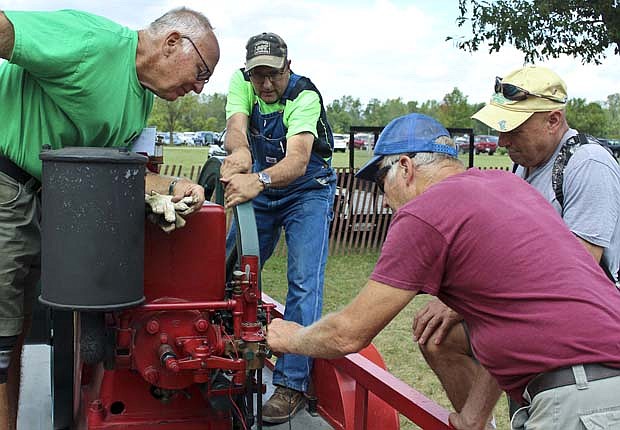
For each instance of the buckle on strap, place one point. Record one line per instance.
(564, 376)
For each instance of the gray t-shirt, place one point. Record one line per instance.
(591, 196)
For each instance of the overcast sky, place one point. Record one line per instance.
(367, 49)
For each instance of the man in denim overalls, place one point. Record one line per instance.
(280, 147)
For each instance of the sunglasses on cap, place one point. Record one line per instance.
(515, 93)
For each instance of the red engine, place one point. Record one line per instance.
(191, 356)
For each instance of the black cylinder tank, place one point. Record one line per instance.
(92, 228)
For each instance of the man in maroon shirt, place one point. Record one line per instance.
(542, 318)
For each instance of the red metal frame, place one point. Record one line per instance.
(371, 381)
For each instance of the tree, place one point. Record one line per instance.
(214, 111)
(454, 111)
(166, 115)
(543, 28)
(613, 115)
(588, 118)
(343, 113)
(378, 113)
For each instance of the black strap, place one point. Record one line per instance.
(557, 175)
(14, 171)
(566, 152)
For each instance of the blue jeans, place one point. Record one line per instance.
(305, 217)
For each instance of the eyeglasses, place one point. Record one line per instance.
(273, 76)
(381, 174)
(515, 93)
(202, 75)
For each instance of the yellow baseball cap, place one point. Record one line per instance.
(520, 94)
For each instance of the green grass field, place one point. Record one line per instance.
(196, 155)
(347, 274)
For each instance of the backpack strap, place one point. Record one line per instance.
(566, 152)
(557, 175)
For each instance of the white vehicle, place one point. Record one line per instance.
(188, 137)
(341, 141)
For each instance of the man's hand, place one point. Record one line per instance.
(434, 320)
(459, 422)
(185, 190)
(279, 334)
(240, 161)
(240, 188)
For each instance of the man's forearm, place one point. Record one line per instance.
(326, 338)
(236, 140)
(286, 171)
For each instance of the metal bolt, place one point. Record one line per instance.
(151, 375)
(201, 325)
(152, 327)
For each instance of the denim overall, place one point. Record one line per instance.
(304, 210)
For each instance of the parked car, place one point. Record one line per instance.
(341, 141)
(187, 137)
(363, 141)
(485, 143)
(203, 138)
(176, 140)
(612, 144)
(462, 143)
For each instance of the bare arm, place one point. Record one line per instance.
(236, 143)
(293, 165)
(345, 331)
(480, 403)
(7, 37)
(595, 250)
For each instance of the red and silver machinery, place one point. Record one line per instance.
(190, 357)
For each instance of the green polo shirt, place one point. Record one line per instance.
(71, 81)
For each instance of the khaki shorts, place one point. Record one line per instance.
(20, 252)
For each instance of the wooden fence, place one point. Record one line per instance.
(360, 222)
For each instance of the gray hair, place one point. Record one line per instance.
(186, 21)
(423, 158)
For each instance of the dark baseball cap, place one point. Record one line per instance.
(265, 49)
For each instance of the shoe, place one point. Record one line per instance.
(283, 404)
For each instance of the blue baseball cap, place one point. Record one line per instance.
(410, 133)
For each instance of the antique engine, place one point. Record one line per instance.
(182, 350)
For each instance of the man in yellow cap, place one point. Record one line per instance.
(579, 177)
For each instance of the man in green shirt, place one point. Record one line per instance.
(284, 167)
(77, 79)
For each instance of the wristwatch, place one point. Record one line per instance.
(264, 179)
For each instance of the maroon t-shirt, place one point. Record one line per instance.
(494, 250)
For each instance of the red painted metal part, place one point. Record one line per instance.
(166, 350)
(356, 392)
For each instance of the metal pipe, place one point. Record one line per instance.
(186, 306)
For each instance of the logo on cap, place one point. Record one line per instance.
(262, 47)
